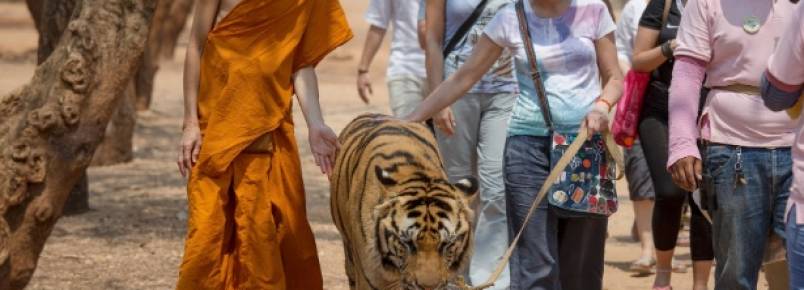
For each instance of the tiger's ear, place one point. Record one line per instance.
(467, 185)
(384, 177)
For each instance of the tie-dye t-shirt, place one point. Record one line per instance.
(567, 61)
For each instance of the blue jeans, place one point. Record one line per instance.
(748, 190)
(554, 238)
(795, 251)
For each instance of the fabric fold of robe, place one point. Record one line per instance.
(247, 226)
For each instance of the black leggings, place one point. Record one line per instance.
(670, 198)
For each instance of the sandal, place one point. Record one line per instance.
(679, 267)
(643, 266)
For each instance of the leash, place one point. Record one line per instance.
(615, 153)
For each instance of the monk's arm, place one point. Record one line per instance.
(191, 137)
(323, 141)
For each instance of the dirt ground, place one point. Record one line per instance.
(133, 237)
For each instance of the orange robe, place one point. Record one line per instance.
(248, 227)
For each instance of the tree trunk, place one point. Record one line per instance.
(117, 145)
(168, 22)
(172, 27)
(35, 7)
(51, 127)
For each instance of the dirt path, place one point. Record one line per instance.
(132, 239)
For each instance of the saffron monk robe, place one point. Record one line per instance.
(246, 58)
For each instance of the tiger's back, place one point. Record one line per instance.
(394, 207)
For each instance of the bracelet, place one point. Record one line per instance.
(667, 50)
(362, 71)
(608, 105)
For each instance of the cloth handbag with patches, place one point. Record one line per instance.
(587, 182)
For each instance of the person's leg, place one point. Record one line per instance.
(459, 151)
(700, 247)
(774, 265)
(404, 94)
(795, 250)
(741, 212)
(670, 198)
(210, 228)
(641, 193)
(491, 235)
(582, 243)
(534, 263)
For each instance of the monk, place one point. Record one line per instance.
(245, 60)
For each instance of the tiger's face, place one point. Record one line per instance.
(423, 228)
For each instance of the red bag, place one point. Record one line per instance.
(626, 119)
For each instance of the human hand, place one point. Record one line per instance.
(445, 121)
(597, 120)
(324, 146)
(673, 44)
(364, 86)
(189, 148)
(687, 173)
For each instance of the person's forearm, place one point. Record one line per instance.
(649, 60)
(421, 33)
(612, 90)
(191, 83)
(777, 95)
(685, 93)
(443, 96)
(372, 45)
(305, 85)
(434, 62)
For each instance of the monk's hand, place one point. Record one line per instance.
(445, 121)
(189, 148)
(686, 173)
(364, 86)
(324, 145)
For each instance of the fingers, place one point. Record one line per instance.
(689, 176)
(196, 151)
(180, 163)
(698, 167)
(363, 95)
(187, 150)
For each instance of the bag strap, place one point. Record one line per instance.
(666, 11)
(535, 76)
(464, 28)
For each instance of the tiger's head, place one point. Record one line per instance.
(424, 228)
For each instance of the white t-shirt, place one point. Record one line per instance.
(627, 29)
(567, 61)
(407, 58)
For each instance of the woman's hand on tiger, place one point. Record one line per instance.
(189, 148)
(445, 121)
(324, 146)
(597, 120)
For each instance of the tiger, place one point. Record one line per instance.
(403, 224)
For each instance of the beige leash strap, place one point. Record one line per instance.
(555, 173)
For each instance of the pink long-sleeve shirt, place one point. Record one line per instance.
(711, 40)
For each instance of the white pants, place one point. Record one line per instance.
(404, 94)
(476, 149)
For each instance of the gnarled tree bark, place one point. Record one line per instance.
(49, 129)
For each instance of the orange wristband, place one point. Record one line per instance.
(608, 105)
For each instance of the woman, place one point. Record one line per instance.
(782, 89)
(574, 41)
(653, 42)
(471, 134)
(746, 166)
(640, 187)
